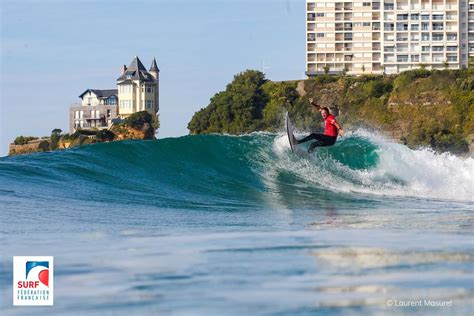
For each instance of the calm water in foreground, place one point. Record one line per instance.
(221, 225)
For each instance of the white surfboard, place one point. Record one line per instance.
(289, 131)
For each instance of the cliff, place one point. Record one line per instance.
(138, 126)
(418, 108)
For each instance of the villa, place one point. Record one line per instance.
(137, 90)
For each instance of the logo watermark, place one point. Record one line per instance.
(33, 281)
(419, 303)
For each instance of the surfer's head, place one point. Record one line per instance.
(324, 112)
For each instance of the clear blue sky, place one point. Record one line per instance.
(51, 51)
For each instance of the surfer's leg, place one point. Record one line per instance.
(309, 137)
(322, 141)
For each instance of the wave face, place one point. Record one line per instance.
(255, 170)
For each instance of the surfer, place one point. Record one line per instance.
(331, 129)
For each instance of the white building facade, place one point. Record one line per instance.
(387, 36)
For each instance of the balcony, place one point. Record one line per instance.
(311, 17)
(402, 17)
(450, 37)
(89, 117)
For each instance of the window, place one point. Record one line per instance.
(437, 37)
(320, 15)
(317, 35)
(402, 58)
(76, 114)
(109, 113)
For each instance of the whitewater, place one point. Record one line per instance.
(232, 225)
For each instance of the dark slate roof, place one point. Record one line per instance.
(154, 67)
(101, 94)
(136, 71)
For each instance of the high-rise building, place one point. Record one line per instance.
(387, 36)
(471, 27)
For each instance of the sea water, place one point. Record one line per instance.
(238, 225)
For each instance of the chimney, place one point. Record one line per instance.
(124, 68)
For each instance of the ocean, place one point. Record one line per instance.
(238, 225)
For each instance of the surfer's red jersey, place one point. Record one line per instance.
(330, 128)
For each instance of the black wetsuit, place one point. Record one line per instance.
(321, 140)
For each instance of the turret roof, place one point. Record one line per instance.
(154, 67)
(136, 71)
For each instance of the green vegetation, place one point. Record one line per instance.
(104, 135)
(44, 146)
(420, 107)
(54, 139)
(143, 121)
(22, 140)
(140, 125)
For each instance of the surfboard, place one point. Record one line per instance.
(289, 131)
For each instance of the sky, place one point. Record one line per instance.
(52, 51)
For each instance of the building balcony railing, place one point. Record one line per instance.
(93, 118)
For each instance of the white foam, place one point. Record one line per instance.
(400, 171)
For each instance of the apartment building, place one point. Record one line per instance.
(470, 13)
(387, 36)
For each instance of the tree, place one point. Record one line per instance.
(326, 69)
(44, 146)
(136, 120)
(236, 110)
(105, 135)
(345, 70)
(55, 136)
(363, 68)
(446, 64)
(22, 140)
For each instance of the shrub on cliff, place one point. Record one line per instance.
(44, 146)
(105, 135)
(236, 110)
(22, 140)
(138, 119)
(54, 138)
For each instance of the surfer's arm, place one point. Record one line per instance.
(340, 131)
(311, 101)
